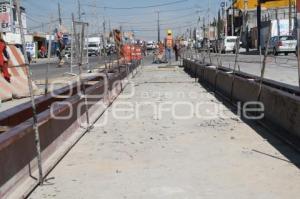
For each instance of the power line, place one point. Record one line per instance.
(166, 20)
(170, 27)
(41, 25)
(150, 13)
(138, 7)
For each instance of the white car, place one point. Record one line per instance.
(228, 44)
(283, 44)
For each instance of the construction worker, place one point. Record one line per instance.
(176, 49)
(4, 57)
(169, 42)
(60, 47)
(159, 53)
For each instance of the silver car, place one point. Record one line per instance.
(282, 44)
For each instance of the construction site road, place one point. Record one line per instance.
(168, 137)
(280, 68)
(39, 70)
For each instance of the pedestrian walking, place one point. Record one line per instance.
(169, 46)
(4, 58)
(43, 51)
(144, 48)
(176, 49)
(29, 57)
(159, 54)
(60, 47)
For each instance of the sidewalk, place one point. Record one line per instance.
(171, 158)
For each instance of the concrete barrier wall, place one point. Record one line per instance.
(189, 66)
(209, 76)
(282, 109)
(245, 90)
(224, 83)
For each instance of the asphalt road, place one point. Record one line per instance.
(280, 68)
(55, 72)
(39, 70)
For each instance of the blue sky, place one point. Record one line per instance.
(143, 21)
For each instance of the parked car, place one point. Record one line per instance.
(282, 44)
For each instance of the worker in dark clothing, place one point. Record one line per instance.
(176, 49)
(60, 47)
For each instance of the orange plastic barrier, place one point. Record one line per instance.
(126, 52)
(18, 87)
(133, 55)
(131, 52)
(138, 53)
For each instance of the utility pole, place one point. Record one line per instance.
(59, 14)
(208, 21)
(158, 26)
(277, 22)
(79, 10)
(204, 28)
(219, 24)
(232, 19)
(73, 44)
(48, 56)
(226, 21)
(258, 10)
(246, 23)
(290, 17)
(298, 37)
(109, 25)
(104, 32)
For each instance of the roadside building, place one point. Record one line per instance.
(279, 10)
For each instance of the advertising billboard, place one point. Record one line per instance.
(5, 16)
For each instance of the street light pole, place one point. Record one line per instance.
(246, 23)
(258, 10)
(158, 26)
(79, 10)
(226, 21)
(59, 14)
(232, 19)
(290, 17)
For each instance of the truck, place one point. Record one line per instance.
(94, 46)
